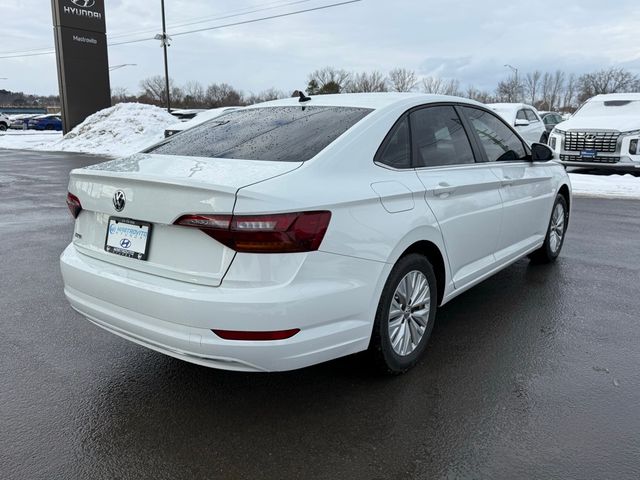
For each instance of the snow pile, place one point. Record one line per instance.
(605, 186)
(121, 130)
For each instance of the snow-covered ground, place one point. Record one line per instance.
(128, 128)
(605, 186)
(121, 130)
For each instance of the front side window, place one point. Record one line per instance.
(531, 116)
(396, 149)
(283, 134)
(521, 115)
(500, 143)
(439, 138)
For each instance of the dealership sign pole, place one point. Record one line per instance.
(81, 53)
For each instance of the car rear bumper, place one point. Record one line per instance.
(334, 315)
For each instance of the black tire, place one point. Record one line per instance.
(49, 127)
(381, 349)
(3, 127)
(551, 247)
(544, 138)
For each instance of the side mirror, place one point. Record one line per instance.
(522, 123)
(541, 152)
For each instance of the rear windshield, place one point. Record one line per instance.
(282, 134)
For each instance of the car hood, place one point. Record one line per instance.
(621, 123)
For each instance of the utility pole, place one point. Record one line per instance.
(165, 39)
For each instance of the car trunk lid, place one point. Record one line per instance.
(158, 190)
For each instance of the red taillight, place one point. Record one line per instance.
(278, 233)
(73, 202)
(255, 336)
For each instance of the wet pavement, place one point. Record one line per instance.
(535, 373)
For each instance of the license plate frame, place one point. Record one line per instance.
(128, 238)
(589, 154)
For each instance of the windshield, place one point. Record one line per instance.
(283, 134)
(609, 108)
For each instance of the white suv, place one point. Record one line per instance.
(524, 118)
(4, 122)
(603, 133)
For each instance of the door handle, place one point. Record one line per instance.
(507, 181)
(444, 191)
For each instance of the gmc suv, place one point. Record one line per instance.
(603, 133)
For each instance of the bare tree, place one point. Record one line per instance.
(265, 96)
(439, 86)
(481, 96)
(154, 89)
(612, 80)
(367, 82)
(120, 95)
(402, 80)
(569, 93)
(557, 86)
(531, 83)
(194, 94)
(327, 80)
(508, 90)
(222, 95)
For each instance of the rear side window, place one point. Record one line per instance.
(439, 138)
(500, 143)
(396, 149)
(283, 134)
(521, 115)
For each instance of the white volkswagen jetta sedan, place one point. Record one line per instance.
(293, 232)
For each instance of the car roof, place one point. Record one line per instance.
(509, 106)
(615, 96)
(372, 101)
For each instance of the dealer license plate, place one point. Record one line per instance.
(129, 238)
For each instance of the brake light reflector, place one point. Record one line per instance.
(73, 202)
(277, 233)
(255, 336)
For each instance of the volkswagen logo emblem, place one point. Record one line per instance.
(84, 3)
(119, 200)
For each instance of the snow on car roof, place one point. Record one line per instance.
(616, 97)
(364, 100)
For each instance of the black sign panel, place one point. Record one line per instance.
(83, 65)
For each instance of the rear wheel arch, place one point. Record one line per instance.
(431, 251)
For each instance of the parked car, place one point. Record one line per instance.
(298, 231)
(4, 122)
(187, 113)
(550, 120)
(603, 133)
(21, 121)
(196, 120)
(524, 118)
(45, 122)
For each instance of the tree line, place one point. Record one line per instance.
(545, 90)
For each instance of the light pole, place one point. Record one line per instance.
(515, 70)
(164, 42)
(118, 67)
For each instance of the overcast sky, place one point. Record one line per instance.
(469, 40)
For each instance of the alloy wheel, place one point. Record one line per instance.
(409, 312)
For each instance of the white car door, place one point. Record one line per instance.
(526, 187)
(463, 195)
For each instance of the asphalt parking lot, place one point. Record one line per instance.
(532, 374)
